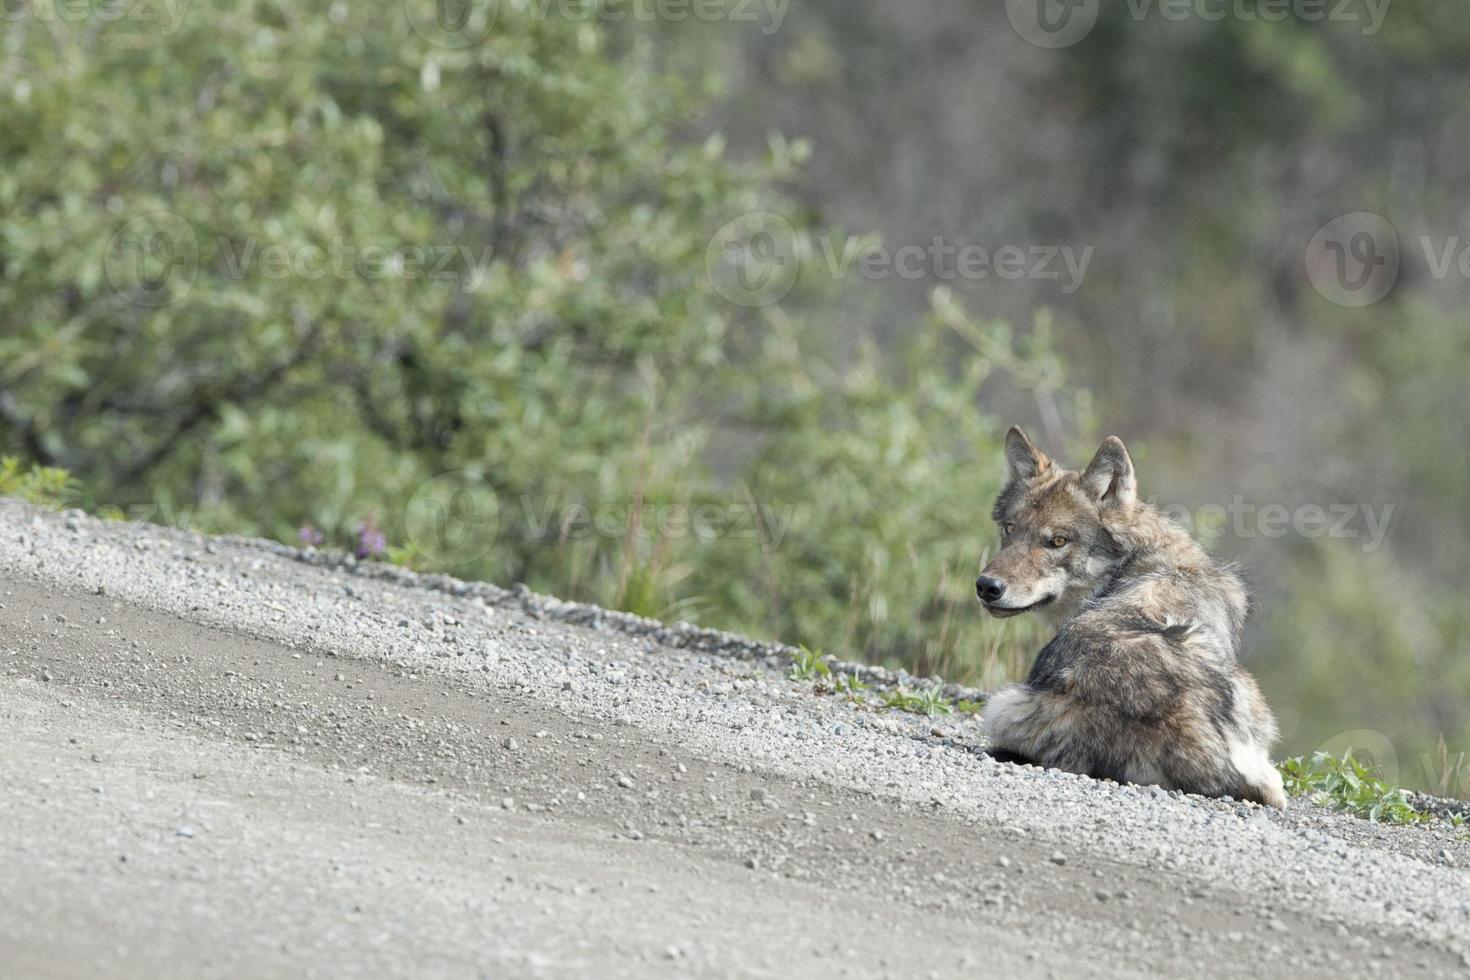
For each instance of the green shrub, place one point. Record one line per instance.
(1347, 785)
(197, 330)
(44, 485)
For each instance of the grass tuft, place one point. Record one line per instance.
(807, 665)
(1347, 785)
(928, 701)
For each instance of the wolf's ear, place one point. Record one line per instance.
(1023, 460)
(1109, 477)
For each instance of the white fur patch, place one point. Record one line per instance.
(1254, 765)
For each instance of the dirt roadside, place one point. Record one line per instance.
(183, 800)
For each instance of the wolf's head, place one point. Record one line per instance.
(1058, 528)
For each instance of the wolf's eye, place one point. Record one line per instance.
(1008, 528)
(1058, 541)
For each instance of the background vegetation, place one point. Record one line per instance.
(274, 268)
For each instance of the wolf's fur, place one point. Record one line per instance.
(1140, 682)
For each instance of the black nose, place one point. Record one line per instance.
(989, 589)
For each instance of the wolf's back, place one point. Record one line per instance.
(1120, 695)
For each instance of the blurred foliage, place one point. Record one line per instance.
(1358, 630)
(219, 319)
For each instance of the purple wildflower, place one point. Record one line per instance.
(311, 537)
(370, 540)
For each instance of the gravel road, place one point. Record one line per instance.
(232, 758)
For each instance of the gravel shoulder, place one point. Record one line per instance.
(222, 760)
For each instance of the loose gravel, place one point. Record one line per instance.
(695, 739)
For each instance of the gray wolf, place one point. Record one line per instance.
(1140, 684)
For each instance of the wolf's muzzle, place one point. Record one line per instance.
(989, 589)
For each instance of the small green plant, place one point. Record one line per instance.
(42, 485)
(405, 556)
(1349, 786)
(901, 699)
(853, 687)
(807, 665)
(967, 707)
(929, 701)
(932, 702)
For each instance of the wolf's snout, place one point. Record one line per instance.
(989, 589)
